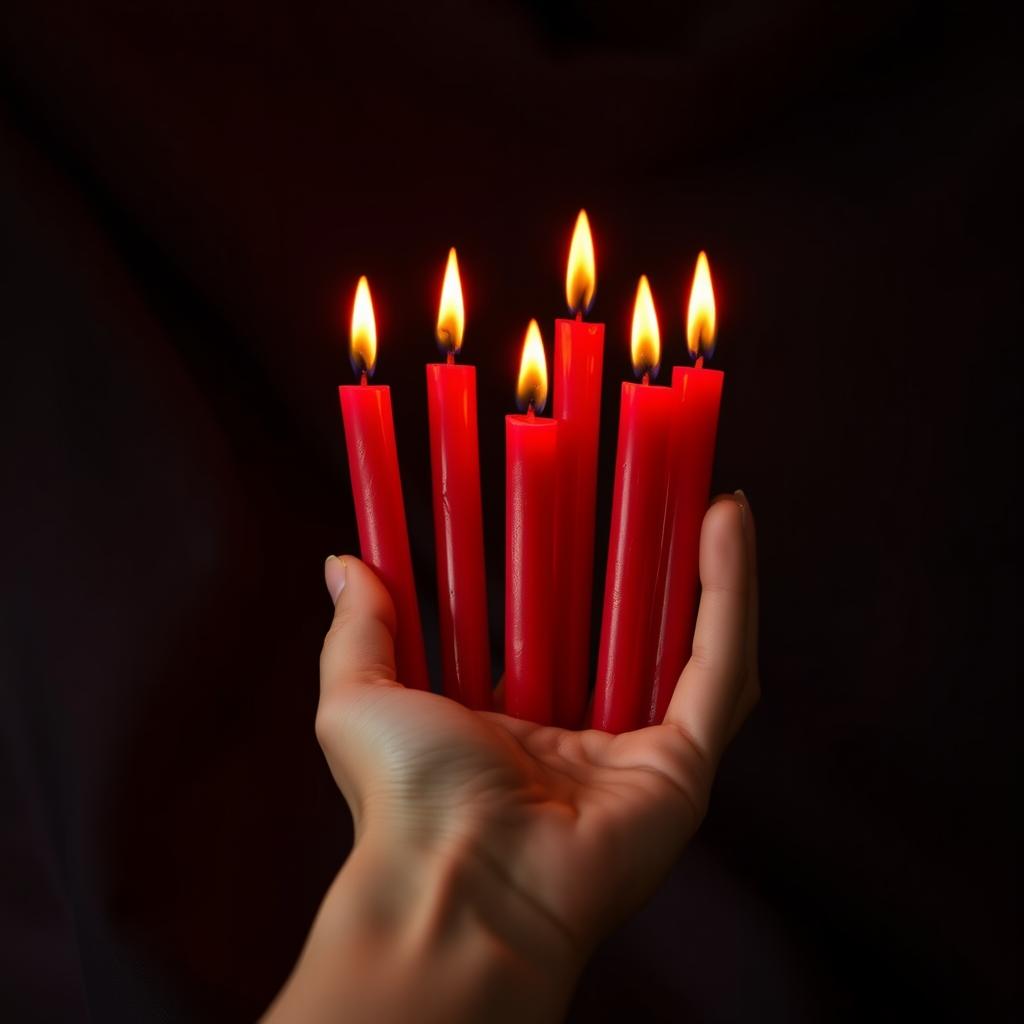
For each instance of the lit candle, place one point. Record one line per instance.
(638, 510)
(531, 469)
(458, 520)
(697, 393)
(579, 349)
(377, 490)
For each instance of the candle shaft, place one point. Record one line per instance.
(579, 351)
(638, 510)
(380, 517)
(697, 394)
(459, 535)
(531, 470)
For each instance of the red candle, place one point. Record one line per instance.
(579, 349)
(638, 511)
(377, 490)
(531, 468)
(458, 519)
(697, 393)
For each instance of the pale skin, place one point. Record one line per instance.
(492, 854)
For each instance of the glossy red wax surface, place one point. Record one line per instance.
(380, 516)
(697, 394)
(459, 533)
(638, 512)
(579, 351)
(531, 597)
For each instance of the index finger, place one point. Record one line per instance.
(706, 694)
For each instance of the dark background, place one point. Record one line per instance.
(189, 193)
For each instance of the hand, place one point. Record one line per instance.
(543, 837)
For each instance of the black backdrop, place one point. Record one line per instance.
(189, 193)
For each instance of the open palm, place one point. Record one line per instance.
(582, 825)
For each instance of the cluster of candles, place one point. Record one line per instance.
(665, 452)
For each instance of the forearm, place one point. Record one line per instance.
(408, 934)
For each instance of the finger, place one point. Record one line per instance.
(360, 645)
(751, 692)
(706, 694)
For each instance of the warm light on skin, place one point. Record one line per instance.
(581, 271)
(363, 346)
(700, 314)
(645, 340)
(532, 389)
(451, 314)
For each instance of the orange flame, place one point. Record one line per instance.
(700, 314)
(532, 389)
(645, 342)
(451, 314)
(363, 345)
(581, 271)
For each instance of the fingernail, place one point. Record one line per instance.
(334, 576)
(743, 502)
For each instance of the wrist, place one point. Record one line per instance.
(481, 946)
(429, 928)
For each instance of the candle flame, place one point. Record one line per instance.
(363, 346)
(645, 342)
(581, 271)
(700, 315)
(532, 389)
(451, 314)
